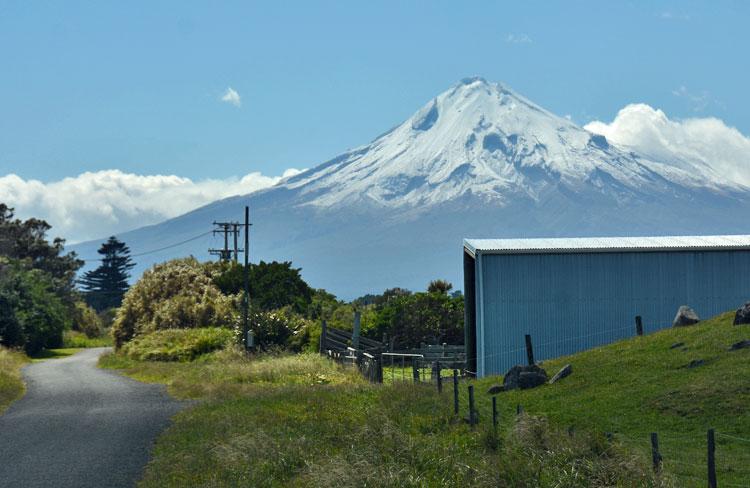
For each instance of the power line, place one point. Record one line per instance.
(170, 246)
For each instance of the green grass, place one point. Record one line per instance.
(59, 353)
(178, 344)
(640, 385)
(11, 384)
(75, 339)
(305, 421)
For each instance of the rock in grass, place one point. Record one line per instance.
(676, 345)
(531, 379)
(495, 389)
(740, 345)
(743, 315)
(685, 316)
(564, 372)
(534, 376)
(695, 363)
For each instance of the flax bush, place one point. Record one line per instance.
(178, 294)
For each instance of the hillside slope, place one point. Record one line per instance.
(477, 161)
(643, 385)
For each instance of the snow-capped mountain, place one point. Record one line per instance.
(477, 161)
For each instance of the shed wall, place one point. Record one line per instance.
(570, 302)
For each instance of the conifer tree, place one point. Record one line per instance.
(105, 286)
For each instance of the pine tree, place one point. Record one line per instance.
(105, 286)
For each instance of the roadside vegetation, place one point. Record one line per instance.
(302, 420)
(299, 420)
(39, 304)
(11, 385)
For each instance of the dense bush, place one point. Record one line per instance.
(178, 344)
(32, 314)
(86, 320)
(432, 318)
(178, 294)
(279, 329)
(273, 285)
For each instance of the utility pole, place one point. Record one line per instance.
(226, 228)
(246, 272)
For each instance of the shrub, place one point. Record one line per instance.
(178, 294)
(178, 344)
(75, 339)
(86, 320)
(32, 315)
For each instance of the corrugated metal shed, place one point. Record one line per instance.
(574, 294)
(606, 244)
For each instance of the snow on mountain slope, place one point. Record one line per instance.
(476, 161)
(480, 138)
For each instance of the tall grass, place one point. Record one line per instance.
(11, 384)
(302, 420)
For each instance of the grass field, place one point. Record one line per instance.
(11, 385)
(641, 385)
(304, 421)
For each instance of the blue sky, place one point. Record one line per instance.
(136, 86)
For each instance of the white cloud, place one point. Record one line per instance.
(518, 39)
(231, 96)
(92, 205)
(704, 145)
(698, 101)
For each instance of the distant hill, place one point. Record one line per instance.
(477, 161)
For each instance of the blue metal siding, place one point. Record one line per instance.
(571, 302)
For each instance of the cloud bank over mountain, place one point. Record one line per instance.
(690, 141)
(108, 202)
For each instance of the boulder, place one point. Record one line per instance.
(740, 345)
(524, 377)
(743, 315)
(495, 389)
(530, 379)
(565, 371)
(695, 363)
(685, 316)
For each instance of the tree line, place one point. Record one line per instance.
(41, 297)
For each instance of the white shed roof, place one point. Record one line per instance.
(606, 244)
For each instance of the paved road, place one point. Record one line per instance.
(80, 426)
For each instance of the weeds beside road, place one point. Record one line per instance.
(305, 421)
(11, 384)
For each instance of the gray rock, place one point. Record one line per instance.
(743, 315)
(564, 372)
(530, 379)
(740, 345)
(685, 316)
(512, 378)
(695, 363)
(495, 389)
(676, 345)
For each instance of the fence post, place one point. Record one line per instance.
(323, 336)
(529, 350)
(494, 411)
(655, 454)
(379, 369)
(519, 409)
(471, 405)
(711, 459)
(638, 325)
(414, 370)
(455, 391)
(356, 329)
(439, 377)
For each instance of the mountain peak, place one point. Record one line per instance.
(477, 138)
